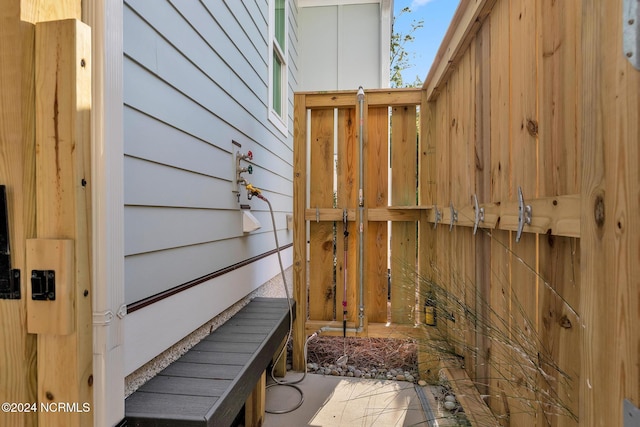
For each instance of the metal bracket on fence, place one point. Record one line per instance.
(479, 214)
(524, 214)
(631, 32)
(317, 214)
(438, 217)
(454, 215)
(631, 414)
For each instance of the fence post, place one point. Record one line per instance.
(63, 200)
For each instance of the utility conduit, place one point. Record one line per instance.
(361, 208)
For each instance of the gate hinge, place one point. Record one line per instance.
(9, 277)
(631, 31)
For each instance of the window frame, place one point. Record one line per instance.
(280, 120)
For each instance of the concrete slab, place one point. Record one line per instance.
(340, 401)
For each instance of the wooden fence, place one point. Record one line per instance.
(531, 109)
(332, 190)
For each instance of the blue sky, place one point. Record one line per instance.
(436, 15)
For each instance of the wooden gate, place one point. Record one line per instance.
(327, 190)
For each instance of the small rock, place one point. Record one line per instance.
(409, 378)
(400, 377)
(422, 383)
(350, 374)
(357, 373)
(335, 373)
(393, 372)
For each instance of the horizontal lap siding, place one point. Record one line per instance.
(195, 79)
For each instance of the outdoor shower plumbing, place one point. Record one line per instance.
(240, 170)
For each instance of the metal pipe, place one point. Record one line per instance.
(361, 208)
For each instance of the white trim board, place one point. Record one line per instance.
(106, 183)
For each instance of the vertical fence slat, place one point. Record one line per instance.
(483, 190)
(500, 285)
(524, 139)
(403, 193)
(464, 199)
(457, 163)
(376, 195)
(596, 393)
(347, 198)
(321, 280)
(428, 360)
(443, 242)
(559, 256)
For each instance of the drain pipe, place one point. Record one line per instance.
(361, 210)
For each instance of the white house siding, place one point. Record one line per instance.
(350, 40)
(195, 79)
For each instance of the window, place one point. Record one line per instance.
(278, 64)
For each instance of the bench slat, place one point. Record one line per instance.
(202, 370)
(190, 386)
(232, 336)
(239, 346)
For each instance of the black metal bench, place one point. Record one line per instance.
(210, 383)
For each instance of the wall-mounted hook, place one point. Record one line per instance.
(454, 215)
(438, 217)
(524, 214)
(478, 216)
